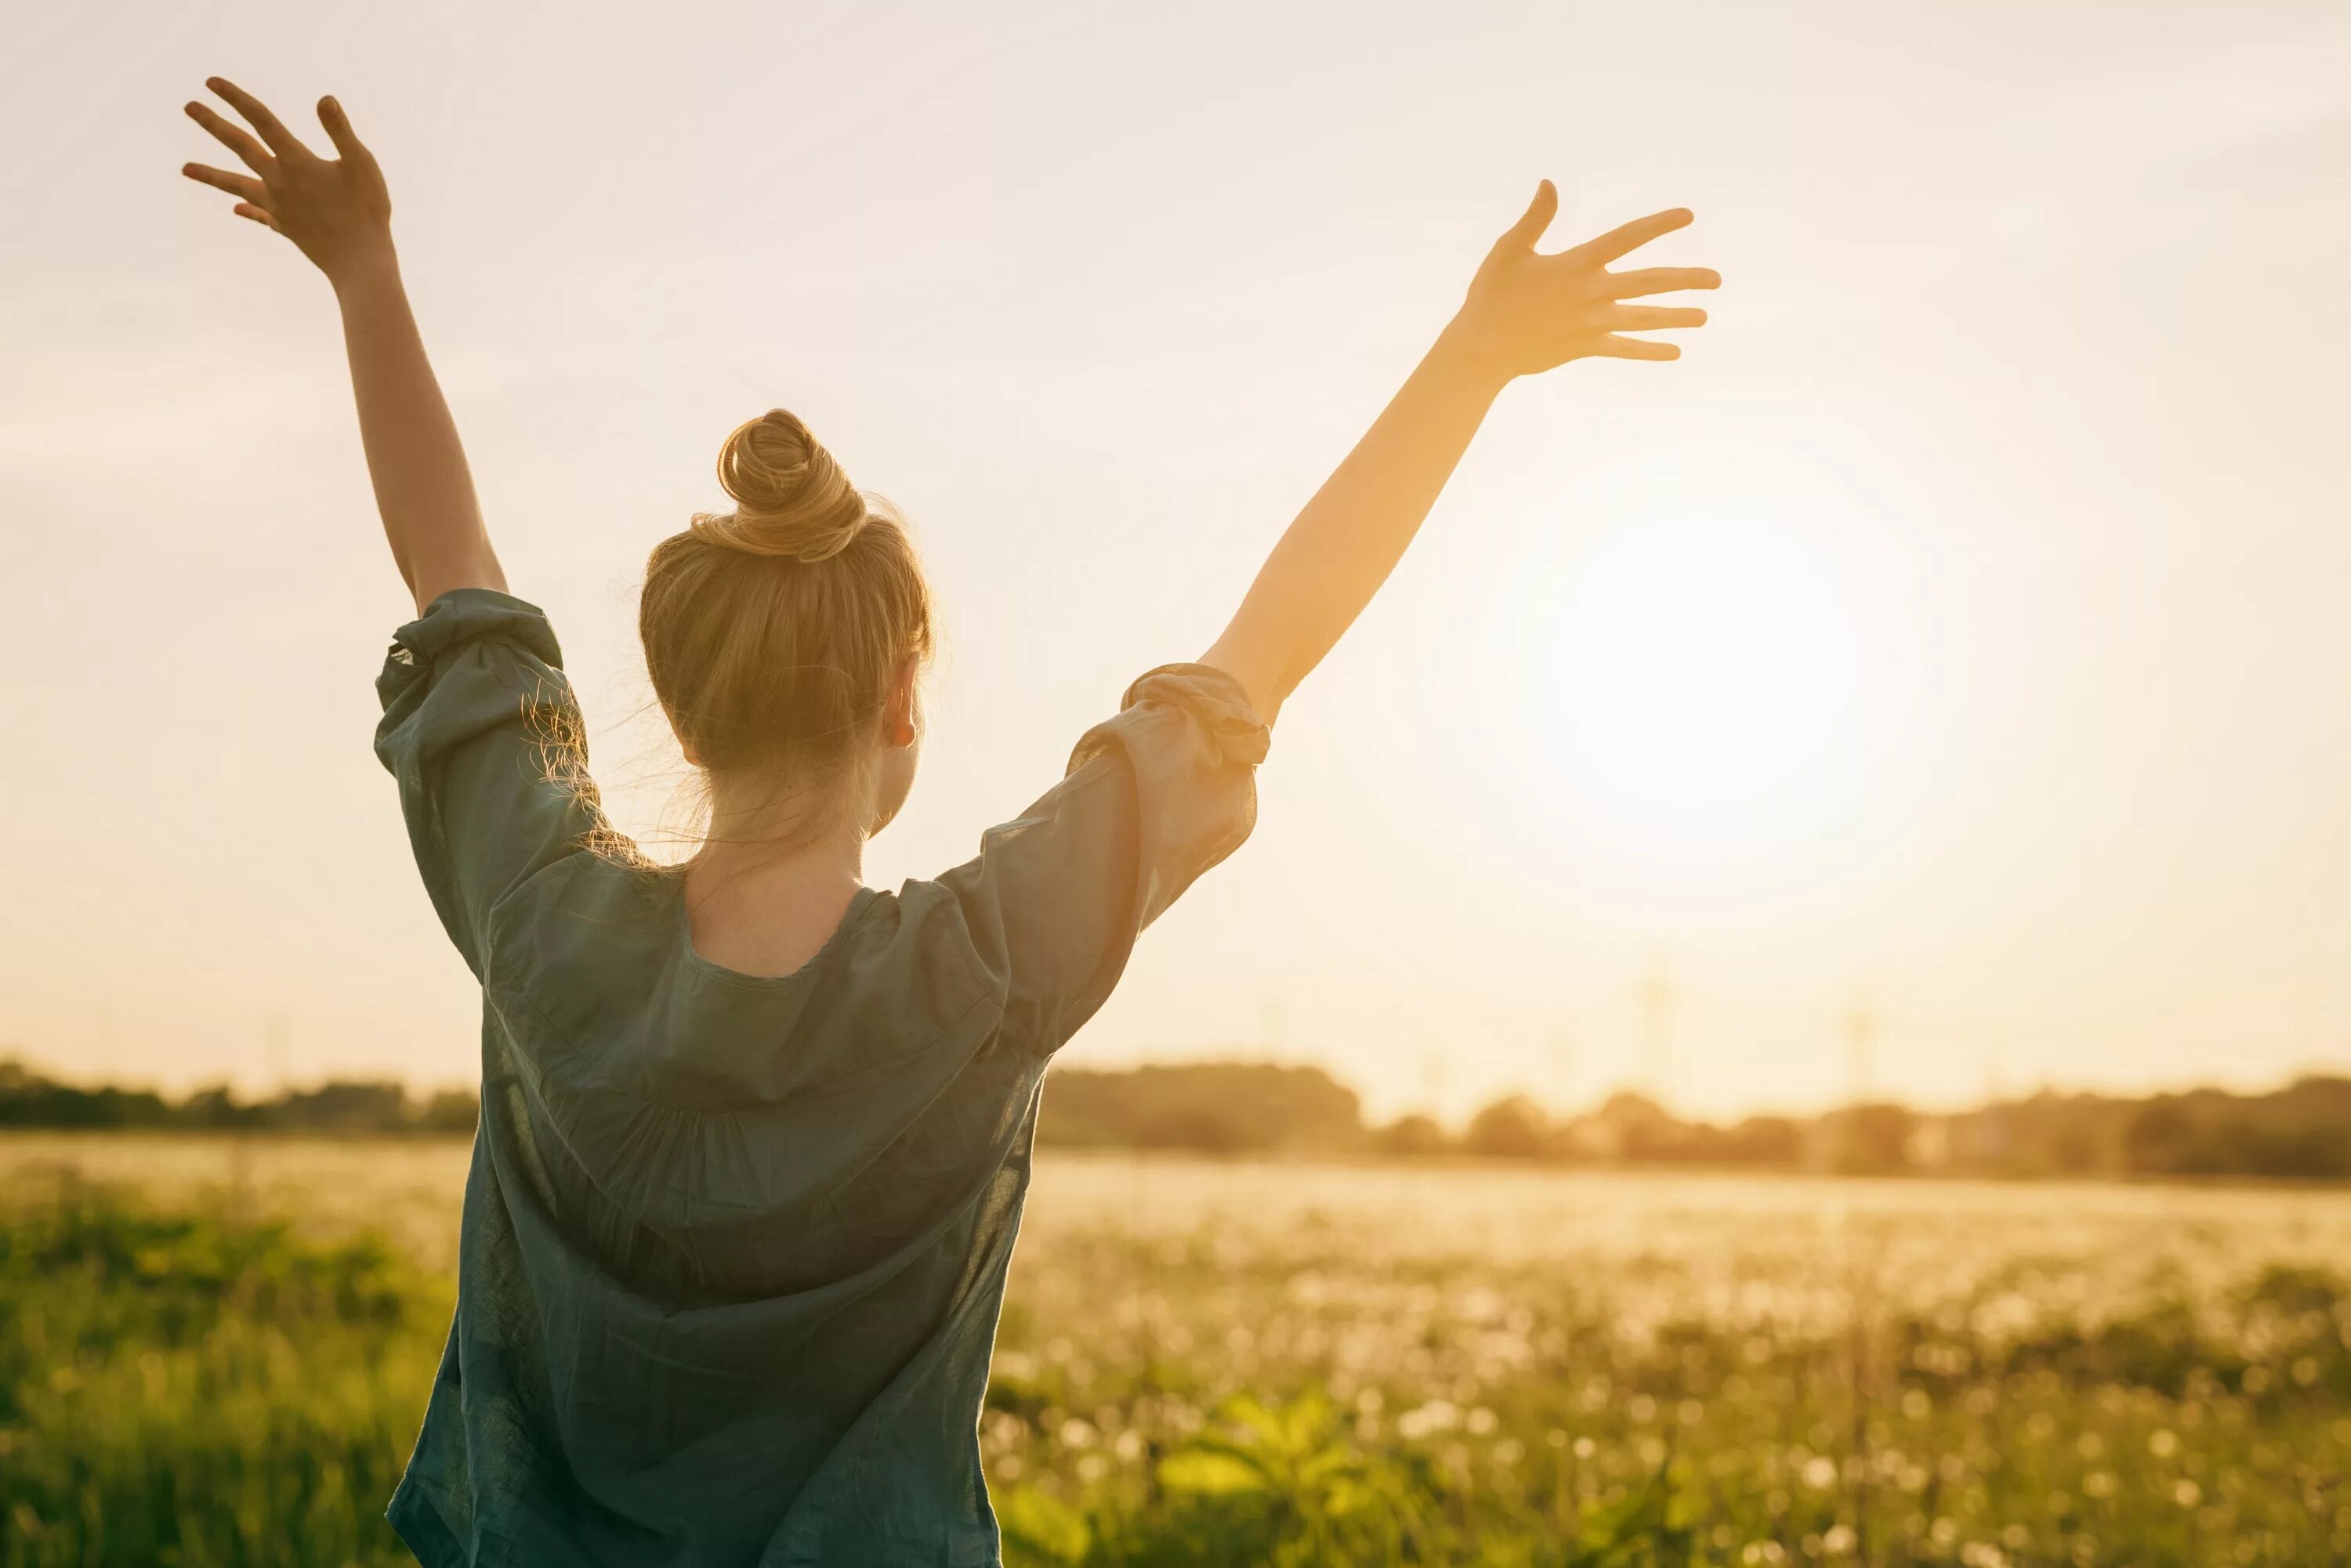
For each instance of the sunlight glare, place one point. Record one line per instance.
(1709, 662)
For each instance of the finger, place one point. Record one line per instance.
(1616, 348)
(340, 132)
(258, 215)
(234, 137)
(1661, 280)
(1649, 317)
(244, 185)
(282, 142)
(1632, 235)
(1529, 227)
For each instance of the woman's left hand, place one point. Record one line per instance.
(1527, 313)
(336, 210)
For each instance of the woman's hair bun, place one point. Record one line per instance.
(790, 498)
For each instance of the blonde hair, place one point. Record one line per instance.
(772, 632)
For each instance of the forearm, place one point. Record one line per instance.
(423, 487)
(1348, 537)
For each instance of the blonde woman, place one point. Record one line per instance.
(755, 1135)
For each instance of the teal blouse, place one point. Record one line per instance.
(734, 1247)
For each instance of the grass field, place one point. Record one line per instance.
(1236, 1363)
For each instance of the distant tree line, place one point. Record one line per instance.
(2302, 1132)
(1221, 1107)
(27, 1099)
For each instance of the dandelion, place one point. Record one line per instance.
(1436, 1415)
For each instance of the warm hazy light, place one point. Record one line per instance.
(1706, 661)
(1960, 620)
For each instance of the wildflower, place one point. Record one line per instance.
(1436, 1415)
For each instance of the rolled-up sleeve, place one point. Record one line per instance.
(1153, 798)
(481, 733)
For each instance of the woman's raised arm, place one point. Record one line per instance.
(338, 213)
(1525, 313)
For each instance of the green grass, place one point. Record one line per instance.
(1414, 1414)
(182, 1388)
(181, 1384)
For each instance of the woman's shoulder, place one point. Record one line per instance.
(921, 934)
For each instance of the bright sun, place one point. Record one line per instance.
(1706, 662)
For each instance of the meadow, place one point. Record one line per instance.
(215, 1351)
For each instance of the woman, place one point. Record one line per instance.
(755, 1136)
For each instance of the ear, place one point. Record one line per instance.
(899, 720)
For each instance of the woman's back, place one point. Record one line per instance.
(733, 1246)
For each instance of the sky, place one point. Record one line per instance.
(1954, 637)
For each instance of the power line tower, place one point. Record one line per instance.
(1861, 1046)
(1657, 997)
(1434, 1072)
(1562, 1065)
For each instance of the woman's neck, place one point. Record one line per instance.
(773, 876)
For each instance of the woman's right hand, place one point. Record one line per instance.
(336, 210)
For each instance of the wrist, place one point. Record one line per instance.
(373, 274)
(1467, 355)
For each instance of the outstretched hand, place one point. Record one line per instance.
(336, 210)
(1527, 313)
